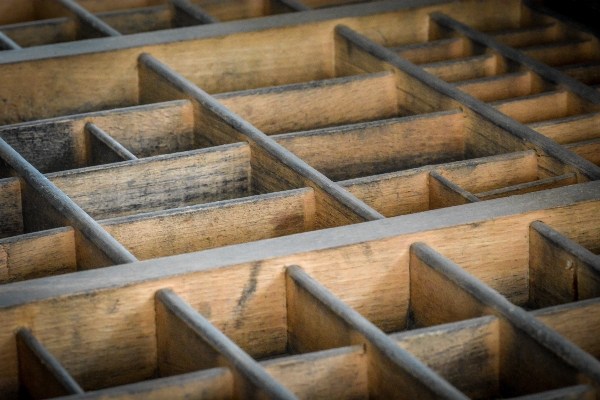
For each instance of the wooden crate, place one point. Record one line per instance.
(396, 199)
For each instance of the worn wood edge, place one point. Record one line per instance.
(529, 97)
(571, 392)
(401, 358)
(211, 30)
(525, 185)
(197, 207)
(432, 43)
(557, 121)
(110, 142)
(46, 359)
(565, 243)
(490, 79)
(558, 309)
(260, 139)
(139, 388)
(66, 207)
(19, 293)
(457, 61)
(516, 316)
(243, 363)
(324, 83)
(555, 76)
(295, 5)
(511, 126)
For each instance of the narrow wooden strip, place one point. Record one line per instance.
(188, 14)
(210, 384)
(377, 147)
(583, 392)
(434, 51)
(39, 254)
(104, 149)
(528, 187)
(556, 54)
(38, 33)
(395, 372)
(222, 223)
(464, 69)
(528, 36)
(590, 150)
(538, 67)
(444, 193)
(570, 129)
(588, 73)
(66, 207)
(295, 5)
(577, 321)
(138, 20)
(465, 353)
(317, 104)
(500, 87)
(11, 209)
(485, 119)
(560, 270)
(228, 121)
(92, 25)
(7, 43)
(176, 319)
(160, 182)
(442, 292)
(535, 108)
(41, 374)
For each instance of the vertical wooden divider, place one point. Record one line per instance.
(318, 320)
(445, 193)
(41, 375)
(187, 342)
(560, 270)
(273, 167)
(533, 358)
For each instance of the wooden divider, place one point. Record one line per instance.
(41, 374)
(458, 295)
(464, 69)
(317, 104)
(560, 270)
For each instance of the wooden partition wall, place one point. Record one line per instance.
(395, 199)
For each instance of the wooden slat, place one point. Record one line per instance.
(187, 14)
(40, 373)
(316, 104)
(541, 184)
(529, 36)
(60, 143)
(464, 69)
(293, 5)
(434, 51)
(588, 73)
(202, 227)
(158, 183)
(444, 193)
(11, 211)
(318, 320)
(501, 87)
(571, 129)
(104, 149)
(556, 54)
(533, 358)
(221, 125)
(140, 20)
(38, 254)
(590, 150)
(37, 33)
(188, 341)
(560, 270)
(378, 147)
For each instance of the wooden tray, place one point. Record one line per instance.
(393, 199)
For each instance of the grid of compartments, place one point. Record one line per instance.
(147, 151)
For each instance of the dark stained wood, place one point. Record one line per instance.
(104, 149)
(188, 14)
